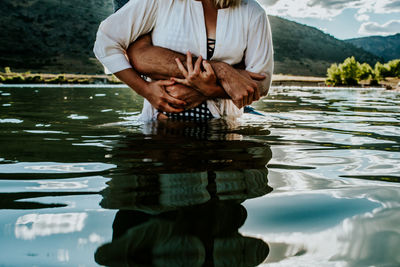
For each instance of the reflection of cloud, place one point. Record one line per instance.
(388, 28)
(30, 226)
(45, 185)
(93, 238)
(326, 9)
(54, 167)
(370, 238)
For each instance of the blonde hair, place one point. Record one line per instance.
(226, 3)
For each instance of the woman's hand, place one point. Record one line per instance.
(158, 97)
(204, 81)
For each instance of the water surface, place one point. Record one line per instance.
(313, 182)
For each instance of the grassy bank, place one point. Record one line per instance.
(9, 77)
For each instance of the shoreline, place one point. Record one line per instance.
(102, 79)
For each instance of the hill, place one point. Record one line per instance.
(387, 47)
(58, 35)
(51, 35)
(304, 50)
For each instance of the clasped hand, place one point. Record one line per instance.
(203, 80)
(199, 84)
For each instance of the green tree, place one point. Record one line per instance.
(366, 72)
(381, 71)
(393, 67)
(333, 74)
(349, 71)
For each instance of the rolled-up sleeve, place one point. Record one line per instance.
(115, 33)
(259, 55)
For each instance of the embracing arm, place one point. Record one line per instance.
(113, 38)
(159, 63)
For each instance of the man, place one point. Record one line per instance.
(159, 63)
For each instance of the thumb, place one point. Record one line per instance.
(256, 76)
(165, 82)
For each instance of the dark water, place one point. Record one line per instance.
(314, 182)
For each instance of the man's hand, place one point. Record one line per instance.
(192, 97)
(158, 97)
(240, 85)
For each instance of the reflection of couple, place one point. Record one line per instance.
(185, 214)
(225, 32)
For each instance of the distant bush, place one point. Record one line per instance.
(351, 72)
(381, 70)
(34, 79)
(57, 79)
(346, 73)
(394, 68)
(334, 75)
(14, 79)
(7, 70)
(366, 72)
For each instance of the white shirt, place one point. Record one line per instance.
(179, 25)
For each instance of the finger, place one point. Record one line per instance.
(256, 94)
(238, 103)
(168, 108)
(181, 67)
(207, 66)
(165, 82)
(198, 64)
(181, 81)
(250, 98)
(175, 101)
(189, 62)
(256, 76)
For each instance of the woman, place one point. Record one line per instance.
(240, 30)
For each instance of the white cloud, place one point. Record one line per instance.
(362, 17)
(373, 28)
(327, 9)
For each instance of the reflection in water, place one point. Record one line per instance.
(179, 198)
(30, 226)
(59, 147)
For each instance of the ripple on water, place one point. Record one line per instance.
(54, 167)
(11, 121)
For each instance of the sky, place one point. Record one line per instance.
(344, 19)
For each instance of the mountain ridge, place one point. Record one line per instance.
(57, 36)
(387, 47)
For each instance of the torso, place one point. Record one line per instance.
(184, 26)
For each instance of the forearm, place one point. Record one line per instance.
(154, 61)
(159, 63)
(131, 78)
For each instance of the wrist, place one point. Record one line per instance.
(143, 89)
(221, 69)
(214, 92)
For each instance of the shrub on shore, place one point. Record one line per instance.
(351, 72)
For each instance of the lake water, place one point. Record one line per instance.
(313, 182)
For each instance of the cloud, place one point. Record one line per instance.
(362, 17)
(327, 9)
(373, 28)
